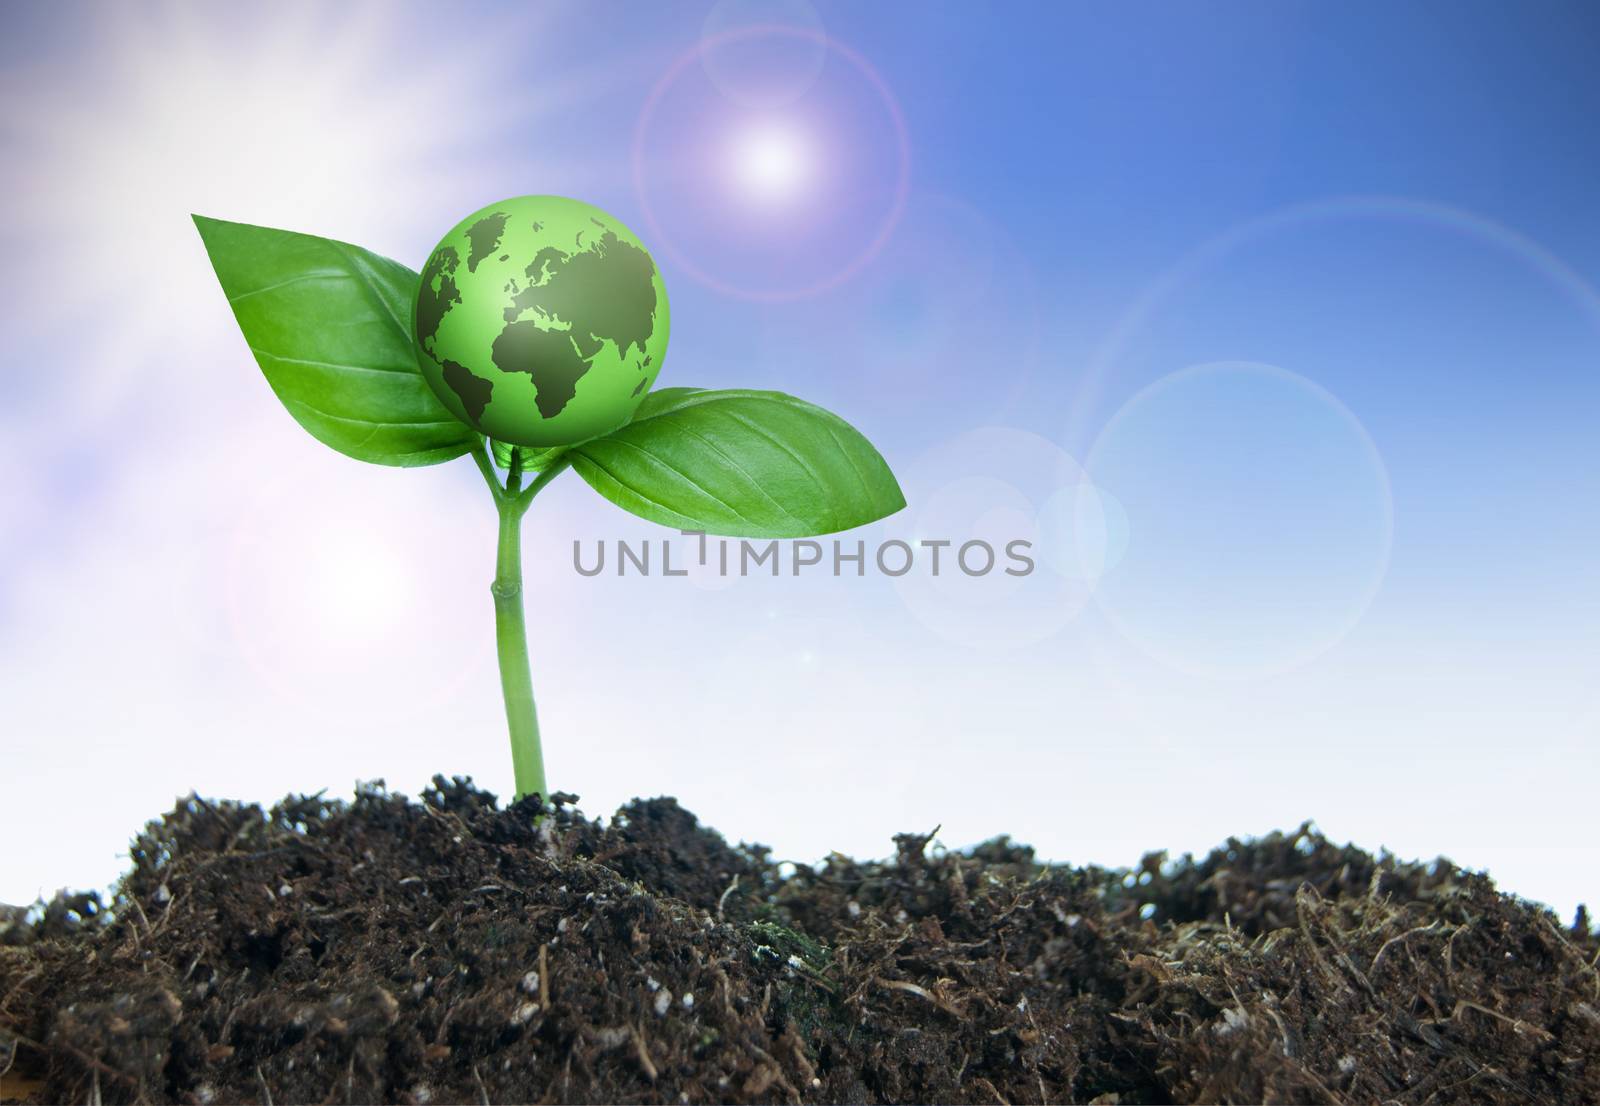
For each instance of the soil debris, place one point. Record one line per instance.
(449, 950)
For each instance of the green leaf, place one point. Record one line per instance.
(330, 326)
(668, 399)
(740, 464)
(534, 459)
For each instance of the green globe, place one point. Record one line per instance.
(541, 321)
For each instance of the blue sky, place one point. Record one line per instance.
(1306, 293)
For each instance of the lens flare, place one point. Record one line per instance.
(324, 598)
(797, 223)
(772, 163)
(1262, 516)
(988, 486)
(1163, 292)
(763, 71)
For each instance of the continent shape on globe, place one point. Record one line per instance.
(541, 321)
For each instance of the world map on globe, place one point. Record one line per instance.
(541, 321)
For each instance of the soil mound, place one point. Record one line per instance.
(448, 950)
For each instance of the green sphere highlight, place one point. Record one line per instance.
(541, 321)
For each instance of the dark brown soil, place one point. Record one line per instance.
(449, 951)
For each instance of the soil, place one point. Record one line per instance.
(448, 950)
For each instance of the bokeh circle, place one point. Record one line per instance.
(762, 71)
(1261, 519)
(1083, 531)
(1210, 256)
(995, 485)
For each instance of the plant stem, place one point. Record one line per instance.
(511, 641)
(511, 634)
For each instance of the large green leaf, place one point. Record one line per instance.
(330, 326)
(740, 464)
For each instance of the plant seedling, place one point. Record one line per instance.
(530, 342)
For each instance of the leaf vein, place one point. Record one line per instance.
(329, 364)
(320, 274)
(686, 479)
(367, 281)
(749, 424)
(376, 424)
(849, 456)
(736, 465)
(631, 490)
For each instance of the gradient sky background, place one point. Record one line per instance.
(1274, 325)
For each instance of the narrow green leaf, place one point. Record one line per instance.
(534, 459)
(330, 325)
(740, 464)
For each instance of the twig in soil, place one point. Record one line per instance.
(1429, 928)
(1307, 904)
(487, 887)
(1576, 955)
(330, 915)
(145, 918)
(724, 988)
(1476, 1072)
(1423, 1031)
(1289, 1057)
(83, 1057)
(483, 1092)
(222, 1034)
(776, 1072)
(1450, 945)
(998, 1097)
(792, 1038)
(1517, 1024)
(644, 1054)
(138, 945)
(725, 895)
(1375, 883)
(166, 914)
(920, 992)
(459, 826)
(1291, 1051)
(1043, 1096)
(444, 1023)
(266, 1092)
(544, 977)
(29, 978)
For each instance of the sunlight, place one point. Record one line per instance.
(355, 586)
(301, 121)
(772, 163)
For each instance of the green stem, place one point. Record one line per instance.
(511, 641)
(511, 634)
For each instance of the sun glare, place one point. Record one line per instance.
(302, 121)
(355, 587)
(772, 163)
